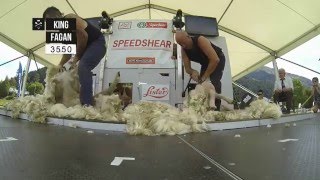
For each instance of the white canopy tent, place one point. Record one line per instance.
(257, 31)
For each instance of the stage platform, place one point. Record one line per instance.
(121, 126)
(42, 151)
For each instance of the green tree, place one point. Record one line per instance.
(36, 77)
(300, 93)
(13, 82)
(4, 89)
(35, 88)
(309, 103)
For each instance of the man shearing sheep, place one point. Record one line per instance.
(90, 50)
(199, 49)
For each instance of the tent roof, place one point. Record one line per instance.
(256, 31)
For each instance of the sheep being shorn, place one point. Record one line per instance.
(202, 100)
(61, 99)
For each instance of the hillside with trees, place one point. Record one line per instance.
(35, 84)
(264, 78)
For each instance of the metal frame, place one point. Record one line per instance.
(295, 43)
(245, 89)
(25, 77)
(275, 68)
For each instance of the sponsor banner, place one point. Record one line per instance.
(155, 92)
(141, 44)
(19, 79)
(140, 60)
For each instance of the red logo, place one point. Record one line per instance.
(157, 92)
(140, 60)
(156, 25)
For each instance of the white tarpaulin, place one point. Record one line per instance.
(255, 31)
(141, 44)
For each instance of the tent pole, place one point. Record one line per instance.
(275, 68)
(26, 75)
(149, 5)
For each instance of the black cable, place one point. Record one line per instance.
(71, 7)
(12, 60)
(184, 92)
(298, 65)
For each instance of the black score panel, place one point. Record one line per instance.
(246, 100)
(68, 24)
(37, 24)
(61, 30)
(199, 25)
(61, 37)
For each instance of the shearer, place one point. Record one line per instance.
(199, 49)
(90, 50)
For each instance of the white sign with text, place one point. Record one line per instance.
(141, 44)
(155, 92)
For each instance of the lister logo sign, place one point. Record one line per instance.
(157, 92)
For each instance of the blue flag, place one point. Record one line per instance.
(19, 79)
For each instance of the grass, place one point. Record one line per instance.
(3, 102)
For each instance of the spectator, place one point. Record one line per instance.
(260, 94)
(283, 90)
(316, 94)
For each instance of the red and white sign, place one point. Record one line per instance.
(140, 60)
(155, 92)
(141, 44)
(156, 24)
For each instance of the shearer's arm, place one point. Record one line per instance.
(213, 58)
(82, 35)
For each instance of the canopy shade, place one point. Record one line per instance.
(256, 31)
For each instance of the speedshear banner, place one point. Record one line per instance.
(141, 44)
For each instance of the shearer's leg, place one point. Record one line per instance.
(216, 76)
(90, 59)
(215, 79)
(217, 85)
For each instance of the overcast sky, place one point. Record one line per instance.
(307, 55)
(10, 69)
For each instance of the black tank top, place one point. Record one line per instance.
(195, 54)
(93, 32)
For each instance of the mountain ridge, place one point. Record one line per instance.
(263, 78)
